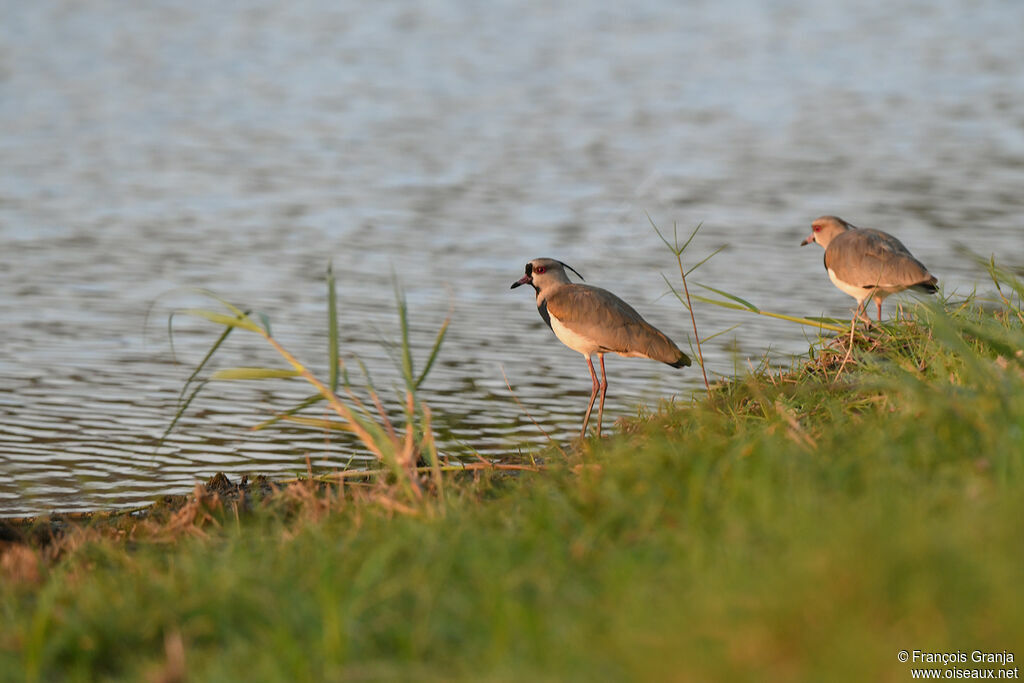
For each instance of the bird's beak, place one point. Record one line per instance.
(807, 241)
(526, 279)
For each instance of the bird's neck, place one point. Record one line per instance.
(549, 289)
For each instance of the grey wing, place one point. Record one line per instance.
(611, 322)
(872, 258)
(595, 312)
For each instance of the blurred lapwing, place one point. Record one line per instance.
(866, 263)
(591, 321)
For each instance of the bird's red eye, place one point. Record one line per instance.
(817, 228)
(539, 269)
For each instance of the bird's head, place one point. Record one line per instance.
(825, 229)
(544, 272)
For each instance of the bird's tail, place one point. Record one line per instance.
(682, 362)
(928, 286)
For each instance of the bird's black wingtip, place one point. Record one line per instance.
(683, 362)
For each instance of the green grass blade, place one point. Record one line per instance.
(828, 320)
(673, 248)
(206, 359)
(170, 337)
(733, 297)
(254, 373)
(433, 352)
(224, 302)
(265, 319)
(690, 239)
(182, 403)
(705, 259)
(178, 415)
(240, 320)
(817, 323)
(333, 349)
(366, 375)
(318, 422)
(719, 334)
(307, 402)
(369, 387)
(371, 426)
(675, 291)
(406, 350)
(722, 304)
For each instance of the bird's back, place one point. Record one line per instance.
(613, 325)
(871, 258)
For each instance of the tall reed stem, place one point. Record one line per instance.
(678, 251)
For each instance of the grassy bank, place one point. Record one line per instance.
(802, 526)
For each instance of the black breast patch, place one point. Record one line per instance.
(542, 308)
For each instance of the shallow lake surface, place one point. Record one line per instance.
(150, 147)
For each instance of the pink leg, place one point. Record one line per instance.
(593, 395)
(604, 390)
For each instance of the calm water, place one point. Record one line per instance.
(152, 146)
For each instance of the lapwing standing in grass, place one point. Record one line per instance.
(591, 320)
(866, 263)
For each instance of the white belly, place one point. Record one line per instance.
(858, 293)
(574, 341)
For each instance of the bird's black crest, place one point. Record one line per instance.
(566, 265)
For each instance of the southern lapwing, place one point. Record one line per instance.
(592, 320)
(866, 263)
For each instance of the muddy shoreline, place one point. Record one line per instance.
(43, 530)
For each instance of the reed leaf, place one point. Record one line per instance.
(182, 407)
(751, 307)
(406, 348)
(675, 292)
(183, 403)
(376, 432)
(238, 320)
(210, 294)
(206, 359)
(431, 448)
(818, 323)
(706, 258)
(674, 245)
(305, 403)
(435, 349)
(719, 334)
(266, 322)
(678, 252)
(318, 422)
(253, 373)
(333, 347)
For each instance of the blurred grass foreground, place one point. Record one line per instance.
(807, 525)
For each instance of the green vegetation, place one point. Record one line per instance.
(807, 525)
(398, 449)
